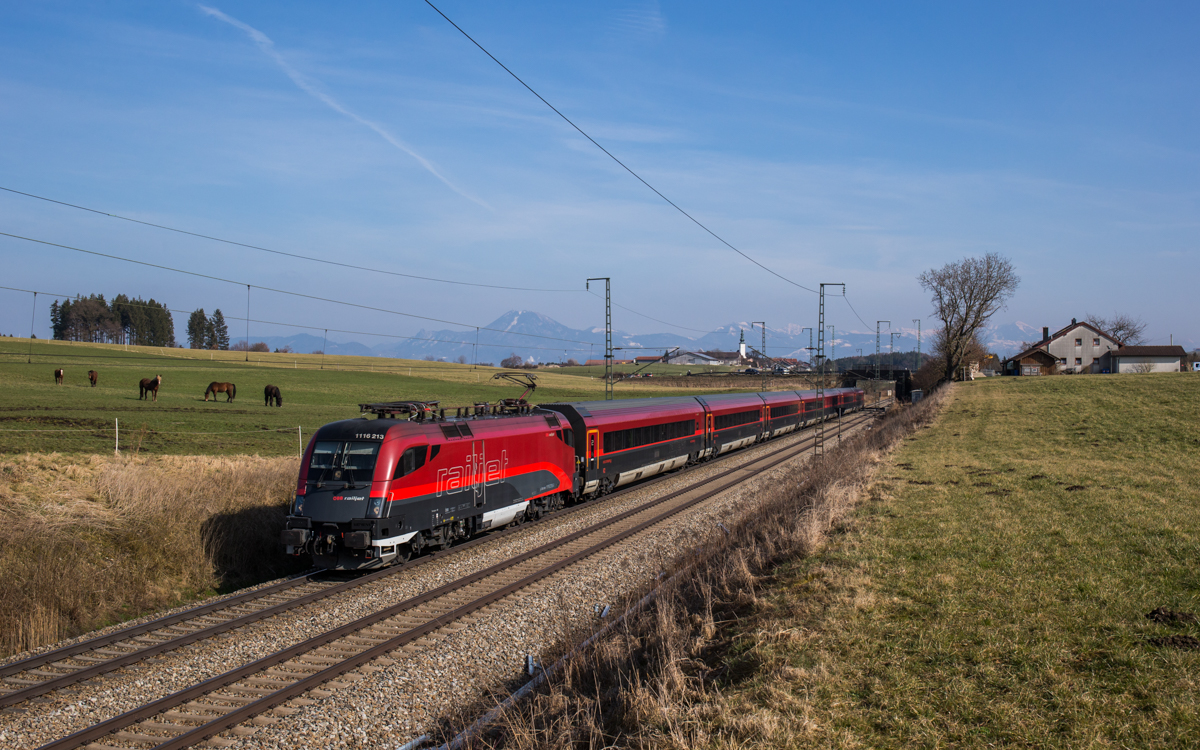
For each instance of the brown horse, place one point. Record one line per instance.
(229, 389)
(148, 386)
(58, 377)
(93, 376)
(272, 392)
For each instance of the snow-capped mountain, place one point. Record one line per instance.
(533, 335)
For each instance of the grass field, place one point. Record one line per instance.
(998, 587)
(99, 539)
(38, 416)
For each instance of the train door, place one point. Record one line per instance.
(593, 448)
(477, 465)
(710, 438)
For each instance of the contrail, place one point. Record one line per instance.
(267, 46)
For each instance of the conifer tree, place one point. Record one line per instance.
(197, 329)
(220, 331)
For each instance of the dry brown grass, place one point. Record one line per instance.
(652, 681)
(91, 542)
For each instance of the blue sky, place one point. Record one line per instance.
(860, 142)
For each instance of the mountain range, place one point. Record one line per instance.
(537, 337)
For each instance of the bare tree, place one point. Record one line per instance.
(966, 295)
(512, 361)
(462, 359)
(572, 362)
(1125, 328)
(973, 351)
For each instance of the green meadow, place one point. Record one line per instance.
(1024, 573)
(38, 416)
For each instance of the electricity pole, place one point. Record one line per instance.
(877, 344)
(32, 320)
(761, 371)
(608, 350)
(918, 322)
(892, 350)
(247, 324)
(819, 434)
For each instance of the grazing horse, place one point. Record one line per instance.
(148, 386)
(58, 377)
(93, 376)
(272, 392)
(229, 389)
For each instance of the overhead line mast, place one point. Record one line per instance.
(608, 347)
(918, 364)
(819, 437)
(877, 344)
(762, 365)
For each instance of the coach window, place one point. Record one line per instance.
(411, 460)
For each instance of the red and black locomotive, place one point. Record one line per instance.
(376, 491)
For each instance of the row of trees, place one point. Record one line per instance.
(205, 332)
(122, 321)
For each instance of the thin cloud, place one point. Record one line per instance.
(643, 22)
(268, 47)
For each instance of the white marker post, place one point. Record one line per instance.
(117, 437)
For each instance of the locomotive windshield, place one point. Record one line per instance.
(343, 460)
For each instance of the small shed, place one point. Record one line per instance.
(1034, 361)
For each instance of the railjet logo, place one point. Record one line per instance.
(468, 476)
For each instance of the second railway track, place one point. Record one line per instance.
(221, 703)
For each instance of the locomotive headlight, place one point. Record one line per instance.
(298, 509)
(376, 507)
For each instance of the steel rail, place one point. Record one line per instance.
(22, 694)
(265, 703)
(146, 627)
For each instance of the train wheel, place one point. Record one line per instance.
(404, 553)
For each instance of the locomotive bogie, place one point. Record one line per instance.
(501, 517)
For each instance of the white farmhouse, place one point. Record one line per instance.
(1078, 346)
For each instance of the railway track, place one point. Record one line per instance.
(38, 675)
(253, 691)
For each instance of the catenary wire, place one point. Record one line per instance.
(868, 325)
(649, 317)
(614, 158)
(323, 260)
(284, 291)
(281, 252)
